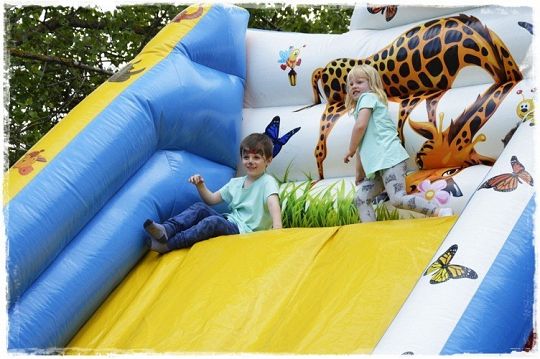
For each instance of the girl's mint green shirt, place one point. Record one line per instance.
(249, 208)
(380, 147)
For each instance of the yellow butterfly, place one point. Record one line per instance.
(445, 271)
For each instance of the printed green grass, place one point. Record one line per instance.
(334, 205)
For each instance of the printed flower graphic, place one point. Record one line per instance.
(434, 191)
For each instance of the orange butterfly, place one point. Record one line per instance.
(391, 11)
(508, 182)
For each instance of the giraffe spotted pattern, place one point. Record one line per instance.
(422, 64)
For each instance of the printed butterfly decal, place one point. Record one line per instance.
(125, 72)
(527, 26)
(184, 15)
(442, 269)
(391, 11)
(507, 182)
(272, 131)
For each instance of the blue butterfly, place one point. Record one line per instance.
(527, 26)
(272, 131)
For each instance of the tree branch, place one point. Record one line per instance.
(270, 24)
(51, 25)
(58, 60)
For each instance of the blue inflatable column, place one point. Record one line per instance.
(132, 162)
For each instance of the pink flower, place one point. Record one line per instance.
(431, 191)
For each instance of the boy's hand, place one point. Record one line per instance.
(207, 196)
(196, 180)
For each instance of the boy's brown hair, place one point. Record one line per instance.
(259, 143)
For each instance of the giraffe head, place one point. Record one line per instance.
(439, 151)
(433, 175)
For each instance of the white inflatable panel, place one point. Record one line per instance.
(268, 84)
(431, 312)
(466, 181)
(297, 154)
(455, 101)
(403, 14)
(518, 40)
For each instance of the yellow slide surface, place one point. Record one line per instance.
(314, 290)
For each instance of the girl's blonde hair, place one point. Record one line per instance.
(374, 81)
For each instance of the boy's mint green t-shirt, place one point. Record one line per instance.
(380, 147)
(249, 210)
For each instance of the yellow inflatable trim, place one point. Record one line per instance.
(84, 113)
(316, 290)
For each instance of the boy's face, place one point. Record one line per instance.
(254, 163)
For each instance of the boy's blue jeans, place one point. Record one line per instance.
(196, 223)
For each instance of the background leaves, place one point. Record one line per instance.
(56, 56)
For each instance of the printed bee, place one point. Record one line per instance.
(290, 58)
(525, 108)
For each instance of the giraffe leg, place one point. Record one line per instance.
(431, 106)
(331, 114)
(478, 159)
(405, 107)
(478, 114)
(315, 77)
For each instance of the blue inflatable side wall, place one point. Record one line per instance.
(499, 317)
(76, 230)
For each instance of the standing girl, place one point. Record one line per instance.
(381, 159)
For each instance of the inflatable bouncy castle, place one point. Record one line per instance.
(461, 90)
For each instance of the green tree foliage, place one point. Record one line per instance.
(58, 55)
(322, 19)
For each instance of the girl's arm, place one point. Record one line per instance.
(275, 211)
(358, 132)
(207, 196)
(360, 174)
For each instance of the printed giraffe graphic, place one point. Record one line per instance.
(506, 139)
(25, 164)
(454, 147)
(446, 153)
(422, 64)
(433, 175)
(125, 73)
(186, 14)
